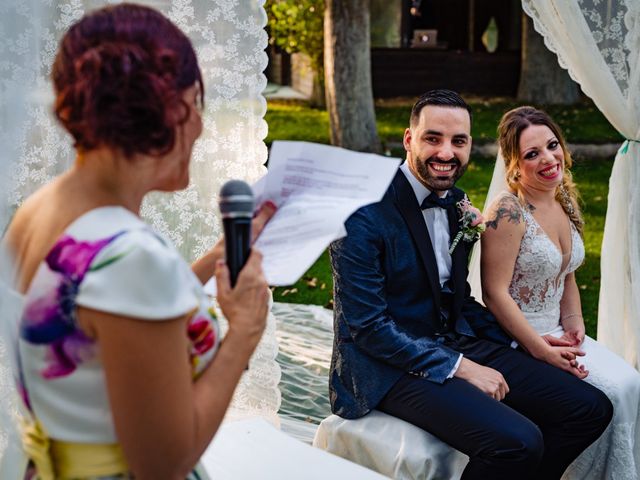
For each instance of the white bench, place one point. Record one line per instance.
(390, 446)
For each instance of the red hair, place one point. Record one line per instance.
(119, 76)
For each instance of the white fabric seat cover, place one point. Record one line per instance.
(390, 446)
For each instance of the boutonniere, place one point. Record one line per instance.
(471, 223)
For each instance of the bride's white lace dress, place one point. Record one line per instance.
(537, 287)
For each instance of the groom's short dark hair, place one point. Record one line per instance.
(439, 97)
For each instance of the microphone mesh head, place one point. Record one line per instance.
(236, 199)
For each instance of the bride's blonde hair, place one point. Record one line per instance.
(512, 124)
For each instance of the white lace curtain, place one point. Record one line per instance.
(230, 39)
(598, 42)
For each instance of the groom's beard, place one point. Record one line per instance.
(435, 182)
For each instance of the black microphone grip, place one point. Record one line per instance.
(236, 207)
(237, 244)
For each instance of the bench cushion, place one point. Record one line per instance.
(390, 446)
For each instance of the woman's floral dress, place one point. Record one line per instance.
(111, 261)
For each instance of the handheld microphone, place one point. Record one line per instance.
(236, 206)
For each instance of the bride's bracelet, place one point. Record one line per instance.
(562, 319)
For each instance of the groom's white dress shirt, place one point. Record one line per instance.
(438, 227)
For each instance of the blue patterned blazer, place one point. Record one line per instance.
(387, 319)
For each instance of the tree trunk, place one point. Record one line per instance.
(347, 66)
(542, 80)
(318, 97)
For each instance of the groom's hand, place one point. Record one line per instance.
(487, 379)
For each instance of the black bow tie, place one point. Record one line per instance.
(433, 200)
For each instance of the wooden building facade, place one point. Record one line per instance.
(475, 49)
(459, 60)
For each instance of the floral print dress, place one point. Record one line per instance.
(111, 261)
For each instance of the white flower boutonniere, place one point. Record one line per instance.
(471, 223)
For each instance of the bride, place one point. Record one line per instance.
(530, 251)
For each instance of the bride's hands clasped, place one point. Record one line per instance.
(561, 353)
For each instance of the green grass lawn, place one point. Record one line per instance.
(295, 121)
(582, 124)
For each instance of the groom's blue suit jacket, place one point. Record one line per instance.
(387, 319)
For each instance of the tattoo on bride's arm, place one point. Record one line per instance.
(507, 208)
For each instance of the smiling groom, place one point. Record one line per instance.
(409, 340)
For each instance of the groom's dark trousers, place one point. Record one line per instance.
(397, 338)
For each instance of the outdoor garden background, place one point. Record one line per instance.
(512, 67)
(296, 26)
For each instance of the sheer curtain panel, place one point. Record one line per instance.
(230, 39)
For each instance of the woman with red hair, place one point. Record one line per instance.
(121, 366)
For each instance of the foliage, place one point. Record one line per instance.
(296, 26)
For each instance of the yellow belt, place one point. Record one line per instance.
(55, 459)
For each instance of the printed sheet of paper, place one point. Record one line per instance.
(316, 188)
